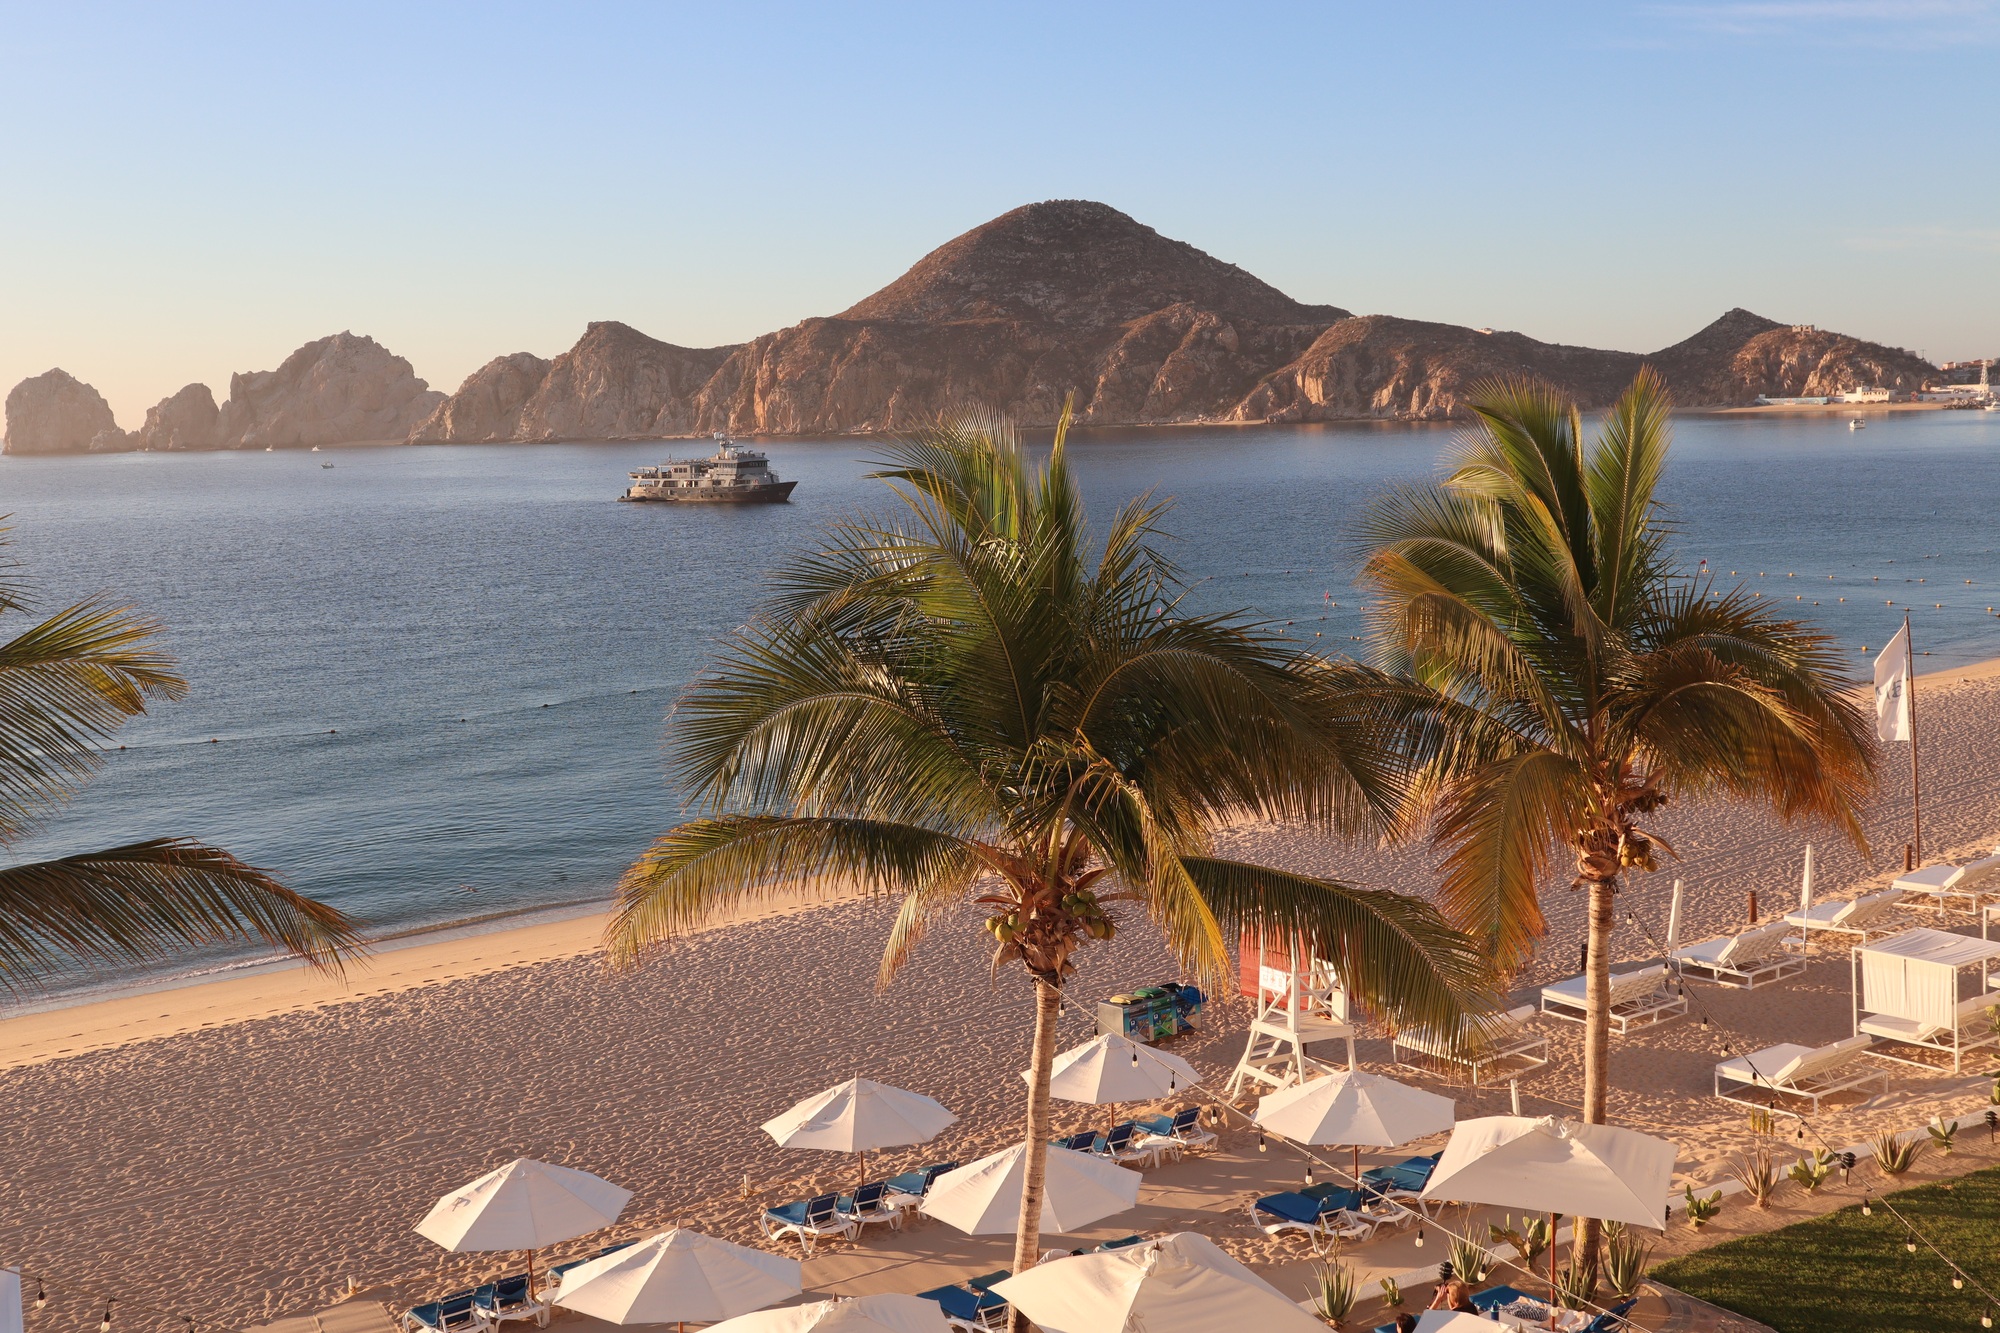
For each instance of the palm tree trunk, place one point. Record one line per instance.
(1027, 1237)
(1596, 1045)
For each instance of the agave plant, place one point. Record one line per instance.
(1895, 1154)
(1626, 1258)
(1758, 1175)
(1811, 1171)
(1333, 1292)
(1470, 1261)
(1574, 1285)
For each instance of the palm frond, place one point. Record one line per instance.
(136, 903)
(1393, 953)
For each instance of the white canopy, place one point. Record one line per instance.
(860, 1116)
(1557, 1166)
(1112, 1068)
(1349, 1107)
(1914, 975)
(1936, 946)
(984, 1197)
(679, 1275)
(1181, 1284)
(522, 1206)
(888, 1312)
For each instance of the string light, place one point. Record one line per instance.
(41, 1294)
(1260, 1140)
(1910, 1245)
(1866, 1209)
(1958, 1281)
(1309, 1173)
(1420, 1238)
(104, 1326)
(1986, 1320)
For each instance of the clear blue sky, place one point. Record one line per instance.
(195, 189)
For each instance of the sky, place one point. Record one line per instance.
(188, 190)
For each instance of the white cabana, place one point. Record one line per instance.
(859, 1116)
(983, 1198)
(1112, 1068)
(677, 1276)
(1919, 988)
(888, 1312)
(1550, 1165)
(1180, 1284)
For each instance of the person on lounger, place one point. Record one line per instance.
(1406, 1323)
(1451, 1294)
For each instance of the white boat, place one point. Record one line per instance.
(315, 448)
(326, 465)
(1857, 424)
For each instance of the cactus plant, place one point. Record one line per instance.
(1700, 1208)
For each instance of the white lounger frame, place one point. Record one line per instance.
(1638, 1000)
(1749, 959)
(1811, 1084)
(1511, 1040)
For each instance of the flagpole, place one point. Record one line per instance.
(1916, 800)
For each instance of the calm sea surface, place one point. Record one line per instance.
(430, 684)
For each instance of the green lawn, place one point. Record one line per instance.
(1844, 1273)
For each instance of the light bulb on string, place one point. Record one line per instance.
(41, 1294)
(1260, 1140)
(1986, 1320)
(1309, 1173)
(1135, 1057)
(104, 1325)
(1866, 1210)
(1958, 1282)
(1420, 1238)
(1910, 1245)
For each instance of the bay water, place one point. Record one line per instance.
(430, 685)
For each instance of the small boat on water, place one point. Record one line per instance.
(1857, 424)
(315, 449)
(734, 475)
(326, 465)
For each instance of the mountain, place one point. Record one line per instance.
(1054, 299)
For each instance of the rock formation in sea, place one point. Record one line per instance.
(337, 390)
(1742, 355)
(56, 413)
(488, 405)
(185, 420)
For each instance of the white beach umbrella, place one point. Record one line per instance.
(523, 1205)
(1354, 1108)
(888, 1312)
(1551, 1165)
(1806, 883)
(1674, 918)
(679, 1275)
(984, 1197)
(1112, 1068)
(859, 1116)
(1181, 1284)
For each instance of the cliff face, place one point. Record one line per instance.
(1379, 366)
(617, 381)
(337, 390)
(56, 413)
(488, 405)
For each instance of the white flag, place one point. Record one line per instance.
(1892, 689)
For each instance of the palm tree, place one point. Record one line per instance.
(1571, 681)
(956, 701)
(65, 685)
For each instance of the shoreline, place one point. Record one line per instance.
(147, 1009)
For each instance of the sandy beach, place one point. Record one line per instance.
(260, 1146)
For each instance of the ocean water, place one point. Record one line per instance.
(430, 685)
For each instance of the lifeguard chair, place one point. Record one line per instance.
(1299, 1001)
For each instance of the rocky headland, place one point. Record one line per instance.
(1050, 300)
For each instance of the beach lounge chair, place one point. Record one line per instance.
(1183, 1127)
(456, 1313)
(809, 1220)
(1128, 1143)
(1493, 1298)
(1403, 1183)
(551, 1278)
(1805, 1072)
(968, 1311)
(1088, 1141)
(1973, 1030)
(918, 1183)
(1611, 1319)
(1863, 916)
(1749, 958)
(1639, 998)
(1365, 1204)
(1324, 1221)
(509, 1298)
(1942, 882)
(1504, 1042)
(870, 1204)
